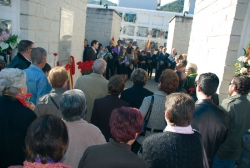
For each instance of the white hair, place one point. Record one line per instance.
(73, 105)
(99, 66)
(12, 80)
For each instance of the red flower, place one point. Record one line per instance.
(85, 66)
(58, 63)
(28, 95)
(55, 54)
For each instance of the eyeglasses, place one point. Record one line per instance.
(231, 83)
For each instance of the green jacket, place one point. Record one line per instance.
(238, 109)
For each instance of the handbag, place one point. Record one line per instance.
(204, 155)
(146, 118)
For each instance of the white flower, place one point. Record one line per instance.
(248, 62)
(243, 70)
(242, 59)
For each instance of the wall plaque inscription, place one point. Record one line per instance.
(66, 32)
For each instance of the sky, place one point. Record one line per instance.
(163, 2)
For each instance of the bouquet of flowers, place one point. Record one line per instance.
(123, 60)
(107, 55)
(8, 42)
(243, 64)
(134, 62)
(85, 67)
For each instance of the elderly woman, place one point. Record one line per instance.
(49, 103)
(135, 95)
(168, 83)
(125, 124)
(179, 145)
(81, 133)
(46, 142)
(15, 116)
(104, 106)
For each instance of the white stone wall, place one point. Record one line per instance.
(216, 36)
(151, 19)
(102, 25)
(179, 34)
(40, 23)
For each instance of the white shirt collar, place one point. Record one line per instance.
(94, 49)
(180, 130)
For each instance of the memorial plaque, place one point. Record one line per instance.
(66, 32)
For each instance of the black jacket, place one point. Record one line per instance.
(245, 156)
(91, 55)
(84, 53)
(14, 122)
(102, 110)
(172, 150)
(135, 95)
(110, 155)
(19, 62)
(212, 123)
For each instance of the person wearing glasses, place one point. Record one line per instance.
(209, 119)
(23, 58)
(237, 107)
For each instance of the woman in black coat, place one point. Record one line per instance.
(104, 106)
(135, 95)
(15, 116)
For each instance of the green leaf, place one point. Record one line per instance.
(244, 51)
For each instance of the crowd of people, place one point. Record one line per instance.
(99, 123)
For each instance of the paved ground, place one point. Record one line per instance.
(151, 84)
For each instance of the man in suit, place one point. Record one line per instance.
(92, 53)
(129, 48)
(110, 62)
(135, 95)
(162, 63)
(94, 85)
(151, 62)
(86, 47)
(23, 58)
(117, 52)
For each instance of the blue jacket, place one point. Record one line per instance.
(37, 82)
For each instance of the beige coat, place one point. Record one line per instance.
(94, 86)
(46, 106)
(81, 136)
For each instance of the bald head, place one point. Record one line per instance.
(99, 66)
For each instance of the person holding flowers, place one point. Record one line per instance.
(123, 64)
(16, 115)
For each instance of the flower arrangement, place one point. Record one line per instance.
(8, 42)
(243, 64)
(123, 60)
(86, 66)
(134, 62)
